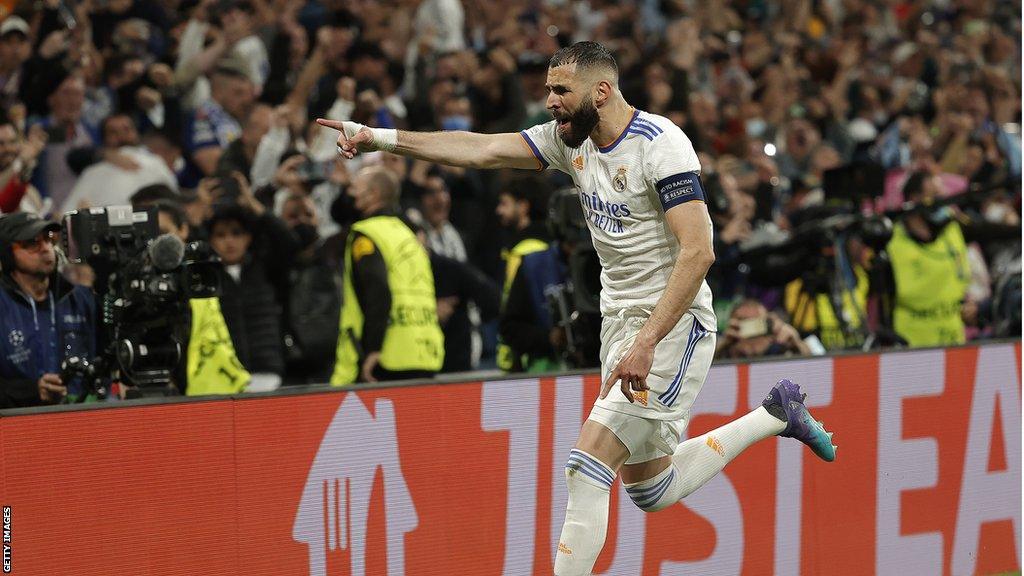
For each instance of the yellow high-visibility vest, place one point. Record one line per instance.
(931, 281)
(212, 365)
(513, 258)
(413, 339)
(816, 315)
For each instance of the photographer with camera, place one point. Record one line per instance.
(542, 322)
(43, 318)
(754, 332)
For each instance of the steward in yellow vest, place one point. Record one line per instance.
(389, 328)
(930, 270)
(931, 280)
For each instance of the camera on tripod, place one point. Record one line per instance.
(821, 252)
(144, 282)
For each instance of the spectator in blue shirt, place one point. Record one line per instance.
(216, 122)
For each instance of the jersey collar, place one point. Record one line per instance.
(610, 147)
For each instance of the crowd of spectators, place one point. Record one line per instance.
(211, 103)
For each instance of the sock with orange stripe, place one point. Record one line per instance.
(699, 459)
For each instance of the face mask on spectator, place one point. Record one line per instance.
(756, 127)
(457, 122)
(343, 211)
(306, 233)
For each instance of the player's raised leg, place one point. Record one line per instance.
(589, 473)
(658, 484)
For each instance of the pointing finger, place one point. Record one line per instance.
(334, 124)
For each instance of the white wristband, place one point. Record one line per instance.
(385, 139)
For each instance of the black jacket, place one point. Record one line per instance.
(253, 306)
(252, 312)
(463, 281)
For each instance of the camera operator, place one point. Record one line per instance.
(43, 319)
(754, 332)
(539, 341)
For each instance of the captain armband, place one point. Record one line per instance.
(679, 188)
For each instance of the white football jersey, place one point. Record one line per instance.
(624, 188)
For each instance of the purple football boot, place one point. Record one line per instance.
(786, 403)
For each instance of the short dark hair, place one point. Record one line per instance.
(108, 119)
(152, 194)
(914, 185)
(533, 189)
(173, 210)
(585, 55)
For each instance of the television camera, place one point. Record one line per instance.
(143, 282)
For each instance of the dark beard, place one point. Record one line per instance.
(581, 123)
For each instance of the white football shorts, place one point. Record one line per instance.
(650, 427)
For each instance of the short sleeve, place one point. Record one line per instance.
(545, 144)
(673, 169)
(671, 154)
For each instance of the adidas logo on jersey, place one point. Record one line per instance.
(577, 163)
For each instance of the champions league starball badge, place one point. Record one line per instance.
(619, 182)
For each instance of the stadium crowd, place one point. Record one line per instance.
(862, 160)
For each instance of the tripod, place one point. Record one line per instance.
(834, 277)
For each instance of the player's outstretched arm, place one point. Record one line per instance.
(455, 148)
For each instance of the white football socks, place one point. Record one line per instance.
(694, 463)
(699, 459)
(586, 515)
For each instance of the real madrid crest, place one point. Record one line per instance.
(619, 182)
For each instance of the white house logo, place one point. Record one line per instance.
(16, 338)
(355, 445)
